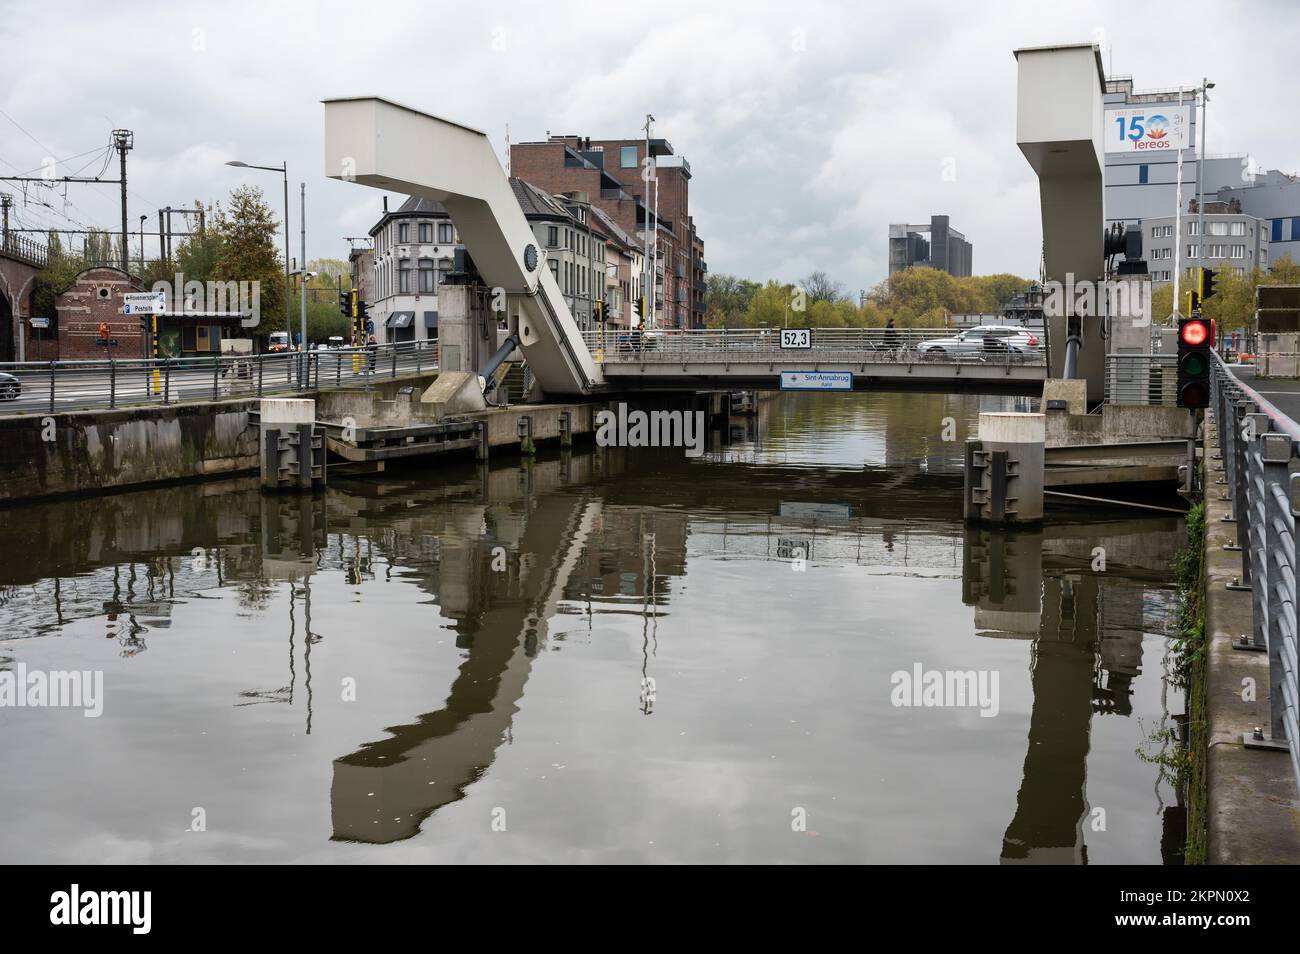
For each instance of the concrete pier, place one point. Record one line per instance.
(293, 452)
(1004, 470)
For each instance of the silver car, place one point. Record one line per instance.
(983, 339)
(10, 387)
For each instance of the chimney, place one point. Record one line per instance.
(385, 205)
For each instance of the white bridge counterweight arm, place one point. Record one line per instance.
(382, 144)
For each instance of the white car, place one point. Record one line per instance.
(983, 339)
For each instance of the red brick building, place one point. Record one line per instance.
(96, 296)
(610, 172)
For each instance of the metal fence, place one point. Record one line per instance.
(851, 344)
(1142, 379)
(49, 386)
(1257, 444)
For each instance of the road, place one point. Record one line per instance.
(1283, 394)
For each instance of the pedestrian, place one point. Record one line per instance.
(372, 352)
(891, 336)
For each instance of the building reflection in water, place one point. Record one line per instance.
(1086, 627)
(587, 528)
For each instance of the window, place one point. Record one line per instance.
(1276, 232)
(427, 277)
(555, 270)
(1192, 227)
(1295, 230)
(1169, 231)
(404, 277)
(426, 232)
(1238, 251)
(1142, 174)
(1238, 228)
(552, 236)
(1155, 231)
(627, 157)
(1191, 251)
(403, 233)
(1218, 228)
(445, 235)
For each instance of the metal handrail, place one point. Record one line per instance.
(855, 345)
(1257, 443)
(89, 384)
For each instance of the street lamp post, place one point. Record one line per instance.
(1200, 179)
(142, 218)
(302, 346)
(283, 169)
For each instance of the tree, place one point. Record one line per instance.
(818, 286)
(198, 253)
(246, 252)
(728, 300)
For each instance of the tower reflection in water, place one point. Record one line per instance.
(1086, 629)
(385, 790)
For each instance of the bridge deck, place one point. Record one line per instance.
(876, 359)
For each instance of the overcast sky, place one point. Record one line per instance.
(809, 126)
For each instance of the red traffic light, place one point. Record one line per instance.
(1196, 333)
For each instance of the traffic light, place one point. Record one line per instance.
(345, 303)
(1195, 344)
(364, 325)
(1204, 283)
(600, 310)
(1193, 302)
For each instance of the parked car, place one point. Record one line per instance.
(984, 339)
(10, 387)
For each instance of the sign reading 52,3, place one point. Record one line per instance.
(796, 338)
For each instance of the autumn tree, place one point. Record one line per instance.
(245, 232)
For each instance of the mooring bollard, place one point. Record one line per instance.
(1004, 469)
(293, 450)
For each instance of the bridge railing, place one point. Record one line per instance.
(1257, 444)
(21, 247)
(1142, 379)
(854, 345)
(49, 386)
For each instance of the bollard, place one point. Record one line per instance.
(293, 450)
(1004, 470)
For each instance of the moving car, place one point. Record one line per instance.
(10, 387)
(983, 339)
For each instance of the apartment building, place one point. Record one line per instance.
(414, 249)
(1233, 241)
(644, 188)
(574, 245)
(623, 271)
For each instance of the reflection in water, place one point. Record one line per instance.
(719, 636)
(1040, 585)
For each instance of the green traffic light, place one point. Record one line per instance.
(1195, 365)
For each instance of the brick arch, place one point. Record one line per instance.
(17, 278)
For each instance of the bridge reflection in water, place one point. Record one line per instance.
(595, 537)
(1086, 627)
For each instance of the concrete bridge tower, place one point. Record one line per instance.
(1059, 118)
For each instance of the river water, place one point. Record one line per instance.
(598, 656)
